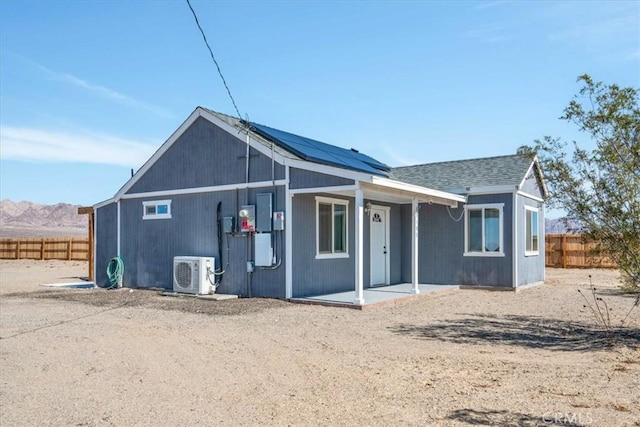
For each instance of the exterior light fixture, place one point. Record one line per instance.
(367, 208)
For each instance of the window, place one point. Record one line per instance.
(157, 209)
(331, 228)
(483, 230)
(531, 230)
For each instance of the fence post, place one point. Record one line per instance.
(564, 251)
(42, 250)
(69, 245)
(18, 249)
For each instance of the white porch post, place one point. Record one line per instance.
(288, 237)
(359, 240)
(414, 246)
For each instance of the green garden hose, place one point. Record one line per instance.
(115, 272)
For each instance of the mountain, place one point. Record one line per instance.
(27, 219)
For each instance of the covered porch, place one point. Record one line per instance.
(378, 191)
(378, 296)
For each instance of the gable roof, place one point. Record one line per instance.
(458, 176)
(310, 149)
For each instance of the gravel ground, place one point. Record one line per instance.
(132, 357)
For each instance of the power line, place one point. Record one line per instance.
(214, 59)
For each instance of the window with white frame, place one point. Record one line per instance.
(483, 233)
(156, 209)
(531, 240)
(331, 228)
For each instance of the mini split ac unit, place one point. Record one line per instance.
(193, 275)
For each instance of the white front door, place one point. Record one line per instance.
(379, 247)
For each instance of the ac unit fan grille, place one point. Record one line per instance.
(184, 274)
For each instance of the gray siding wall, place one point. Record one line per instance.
(530, 268)
(441, 247)
(313, 276)
(299, 178)
(205, 155)
(318, 276)
(148, 246)
(106, 241)
(531, 185)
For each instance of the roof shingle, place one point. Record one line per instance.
(455, 176)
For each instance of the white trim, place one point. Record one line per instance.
(514, 231)
(529, 253)
(535, 163)
(198, 190)
(427, 194)
(482, 208)
(159, 152)
(118, 229)
(95, 245)
(332, 256)
(197, 113)
(530, 196)
(331, 201)
(288, 236)
(104, 203)
(327, 170)
(387, 232)
(478, 191)
(359, 247)
(484, 254)
(524, 179)
(415, 215)
(324, 189)
(156, 203)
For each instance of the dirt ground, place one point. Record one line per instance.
(132, 357)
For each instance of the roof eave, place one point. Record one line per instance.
(422, 193)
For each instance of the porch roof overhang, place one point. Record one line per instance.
(390, 191)
(402, 192)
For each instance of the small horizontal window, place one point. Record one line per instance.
(156, 209)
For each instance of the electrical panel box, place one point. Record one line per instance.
(264, 210)
(247, 216)
(228, 224)
(264, 251)
(278, 221)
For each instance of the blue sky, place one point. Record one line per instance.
(90, 89)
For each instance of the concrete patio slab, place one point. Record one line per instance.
(374, 297)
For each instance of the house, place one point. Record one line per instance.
(286, 216)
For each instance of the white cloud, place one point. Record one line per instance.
(99, 90)
(601, 31)
(395, 156)
(492, 4)
(488, 34)
(20, 143)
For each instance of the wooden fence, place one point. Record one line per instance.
(49, 248)
(562, 251)
(572, 251)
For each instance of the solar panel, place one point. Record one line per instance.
(320, 152)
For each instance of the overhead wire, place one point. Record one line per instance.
(214, 60)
